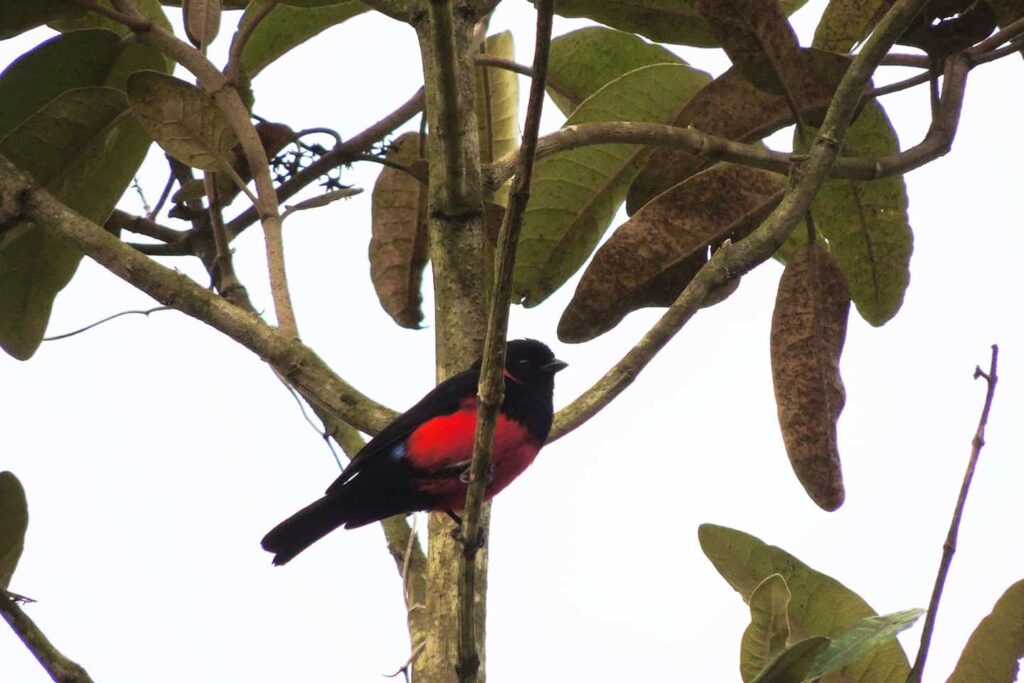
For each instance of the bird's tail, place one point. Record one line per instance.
(303, 529)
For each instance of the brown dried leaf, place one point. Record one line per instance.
(808, 331)
(758, 39)
(398, 245)
(730, 107)
(202, 21)
(653, 256)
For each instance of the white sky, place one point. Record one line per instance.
(156, 453)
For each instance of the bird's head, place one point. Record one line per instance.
(532, 363)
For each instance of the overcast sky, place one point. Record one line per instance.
(156, 453)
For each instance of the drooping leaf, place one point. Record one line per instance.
(287, 27)
(866, 635)
(498, 106)
(820, 605)
(398, 245)
(574, 195)
(791, 665)
(768, 631)
(182, 119)
(13, 524)
(322, 200)
(202, 21)
(866, 223)
(584, 61)
(808, 331)
(758, 39)
(651, 258)
(151, 9)
(664, 21)
(731, 107)
(19, 16)
(994, 649)
(846, 23)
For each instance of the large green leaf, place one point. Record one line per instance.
(766, 635)
(792, 664)
(575, 195)
(584, 61)
(13, 523)
(84, 147)
(182, 119)
(994, 649)
(820, 605)
(21, 15)
(866, 223)
(666, 21)
(498, 106)
(287, 27)
(866, 635)
(847, 22)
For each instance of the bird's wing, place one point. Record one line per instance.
(444, 399)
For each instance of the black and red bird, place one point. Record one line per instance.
(420, 461)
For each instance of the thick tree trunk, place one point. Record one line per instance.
(455, 210)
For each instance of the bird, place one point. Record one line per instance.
(420, 461)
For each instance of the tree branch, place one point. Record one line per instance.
(226, 96)
(249, 22)
(60, 668)
(736, 259)
(949, 547)
(304, 370)
(491, 388)
(140, 225)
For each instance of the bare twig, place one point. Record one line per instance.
(405, 668)
(490, 391)
(122, 220)
(104, 320)
(59, 667)
(949, 547)
(223, 268)
(484, 59)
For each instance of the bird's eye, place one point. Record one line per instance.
(523, 362)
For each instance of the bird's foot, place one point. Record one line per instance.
(460, 538)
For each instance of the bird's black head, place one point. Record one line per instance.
(532, 363)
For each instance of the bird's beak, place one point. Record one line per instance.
(555, 366)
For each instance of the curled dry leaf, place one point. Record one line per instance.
(653, 256)
(731, 107)
(202, 21)
(808, 331)
(398, 244)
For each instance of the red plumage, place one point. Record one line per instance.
(420, 460)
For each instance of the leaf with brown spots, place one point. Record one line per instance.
(808, 331)
(653, 256)
(730, 107)
(398, 244)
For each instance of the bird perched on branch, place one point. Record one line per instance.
(421, 460)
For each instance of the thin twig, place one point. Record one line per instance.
(140, 225)
(404, 669)
(164, 194)
(484, 59)
(949, 547)
(490, 391)
(107, 319)
(59, 667)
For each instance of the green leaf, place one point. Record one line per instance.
(287, 27)
(993, 650)
(584, 61)
(664, 21)
(84, 147)
(19, 16)
(820, 605)
(866, 223)
(498, 107)
(13, 523)
(151, 9)
(865, 636)
(791, 665)
(182, 119)
(575, 195)
(847, 22)
(768, 631)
